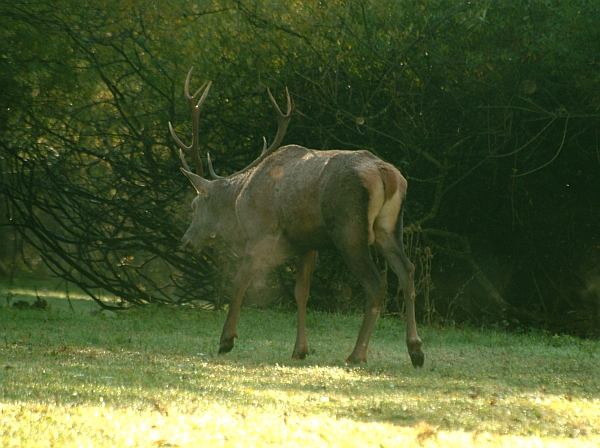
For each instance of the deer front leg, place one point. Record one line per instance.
(305, 266)
(241, 282)
(257, 255)
(250, 267)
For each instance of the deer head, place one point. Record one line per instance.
(208, 213)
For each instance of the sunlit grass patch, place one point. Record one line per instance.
(151, 377)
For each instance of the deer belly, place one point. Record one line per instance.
(308, 237)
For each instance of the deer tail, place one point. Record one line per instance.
(400, 225)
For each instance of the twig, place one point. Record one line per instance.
(553, 158)
(68, 297)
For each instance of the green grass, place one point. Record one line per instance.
(151, 377)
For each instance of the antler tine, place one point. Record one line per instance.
(210, 168)
(192, 98)
(195, 107)
(181, 145)
(282, 120)
(290, 104)
(264, 146)
(183, 162)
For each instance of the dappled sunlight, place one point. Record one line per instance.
(151, 377)
(221, 425)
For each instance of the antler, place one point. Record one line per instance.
(282, 121)
(195, 106)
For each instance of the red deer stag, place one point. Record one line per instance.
(294, 201)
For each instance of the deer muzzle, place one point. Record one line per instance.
(192, 244)
(187, 243)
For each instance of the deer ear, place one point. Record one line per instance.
(201, 185)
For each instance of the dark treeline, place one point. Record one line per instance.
(489, 108)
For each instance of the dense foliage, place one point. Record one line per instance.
(489, 108)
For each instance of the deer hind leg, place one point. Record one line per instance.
(355, 250)
(396, 257)
(305, 267)
(374, 286)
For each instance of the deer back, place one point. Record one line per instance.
(305, 194)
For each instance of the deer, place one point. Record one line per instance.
(292, 202)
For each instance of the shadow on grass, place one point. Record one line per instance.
(154, 359)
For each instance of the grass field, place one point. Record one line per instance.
(151, 378)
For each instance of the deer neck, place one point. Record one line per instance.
(225, 195)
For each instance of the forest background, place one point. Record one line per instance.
(489, 108)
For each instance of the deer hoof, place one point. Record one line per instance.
(356, 359)
(300, 353)
(417, 356)
(226, 344)
(225, 349)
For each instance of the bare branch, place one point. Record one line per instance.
(562, 143)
